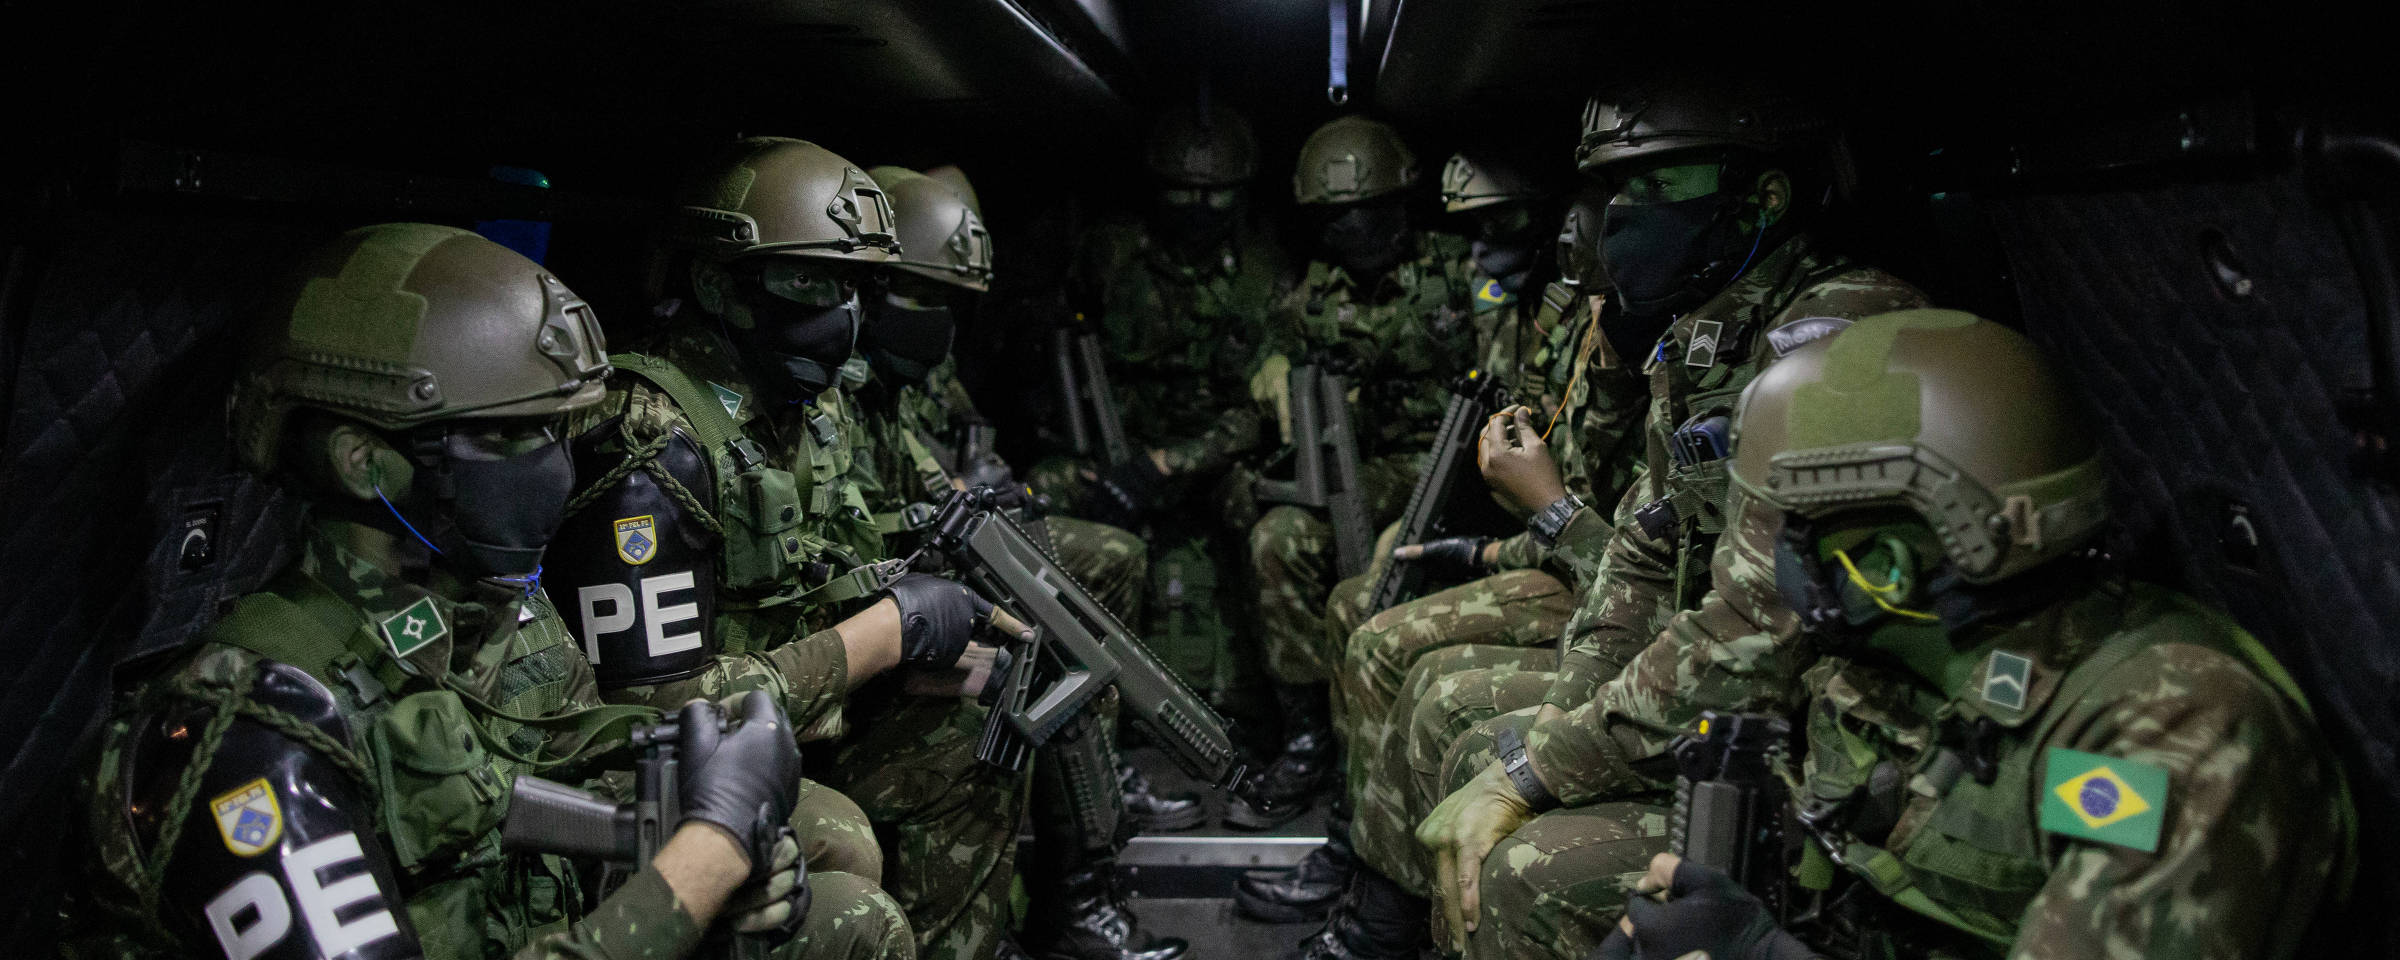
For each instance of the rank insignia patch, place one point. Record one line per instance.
(411, 629)
(1702, 353)
(248, 818)
(2107, 799)
(726, 396)
(2005, 678)
(637, 540)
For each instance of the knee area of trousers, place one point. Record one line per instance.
(1281, 534)
(851, 918)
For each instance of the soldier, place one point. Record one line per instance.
(2099, 766)
(1713, 276)
(1522, 588)
(722, 533)
(1076, 908)
(1386, 305)
(325, 775)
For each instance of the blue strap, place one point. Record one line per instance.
(1337, 59)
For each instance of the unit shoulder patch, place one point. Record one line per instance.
(248, 818)
(1802, 332)
(420, 623)
(637, 539)
(2103, 798)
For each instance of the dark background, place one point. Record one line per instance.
(2187, 203)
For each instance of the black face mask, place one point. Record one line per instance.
(1366, 239)
(489, 518)
(1662, 259)
(1195, 226)
(796, 351)
(906, 342)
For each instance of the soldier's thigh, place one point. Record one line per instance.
(849, 919)
(1110, 562)
(834, 833)
(1553, 889)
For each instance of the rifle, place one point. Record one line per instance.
(1731, 803)
(1472, 399)
(1078, 649)
(1086, 401)
(1322, 438)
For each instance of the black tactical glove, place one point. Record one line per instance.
(1706, 911)
(1455, 558)
(745, 780)
(1128, 493)
(937, 618)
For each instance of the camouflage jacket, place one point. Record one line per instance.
(1599, 399)
(1401, 338)
(1181, 337)
(366, 729)
(773, 603)
(1731, 648)
(2154, 788)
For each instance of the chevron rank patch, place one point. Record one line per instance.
(1702, 352)
(726, 396)
(2005, 679)
(411, 629)
(2102, 798)
(248, 818)
(637, 539)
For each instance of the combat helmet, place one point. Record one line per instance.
(403, 324)
(1672, 115)
(1955, 419)
(1351, 159)
(941, 238)
(1194, 147)
(1470, 183)
(773, 195)
(956, 179)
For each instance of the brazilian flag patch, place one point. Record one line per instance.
(1490, 292)
(2107, 799)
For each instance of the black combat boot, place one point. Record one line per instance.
(1307, 890)
(1309, 761)
(1158, 812)
(1080, 915)
(1374, 920)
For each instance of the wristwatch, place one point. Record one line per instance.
(1552, 521)
(1511, 742)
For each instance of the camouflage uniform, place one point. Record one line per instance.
(1730, 648)
(439, 801)
(1398, 338)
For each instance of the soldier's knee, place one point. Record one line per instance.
(849, 918)
(1281, 536)
(836, 834)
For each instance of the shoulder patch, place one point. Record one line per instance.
(2102, 798)
(415, 626)
(637, 539)
(726, 396)
(2005, 680)
(248, 818)
(1701, 352)
(1802, 332)
(1490, 293)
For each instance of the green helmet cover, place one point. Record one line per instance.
(1351, 159)
(773, 195)
(1469, 183)
(403, 324)
(1956, 419)
(941, 238)
(1660, 117)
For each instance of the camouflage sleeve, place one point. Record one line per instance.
(1738, 651)
(1519, 553)
(2249, 841)
(1629, 594)
(643, 920)
(810, 676)
(1235, 433)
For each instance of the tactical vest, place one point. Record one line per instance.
(1975, 863)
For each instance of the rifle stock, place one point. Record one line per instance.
(1472, 399)
(1325, 465)
(1731, 803)
(1103, 400)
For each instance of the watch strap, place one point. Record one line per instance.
(1519, 767)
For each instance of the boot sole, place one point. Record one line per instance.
(1197, 815)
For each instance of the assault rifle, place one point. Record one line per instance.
(545, 816)
(1325, 465)
(1731, 803)
(1472, 399)
(1086, 401)
(1078, 649)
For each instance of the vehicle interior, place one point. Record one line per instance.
(2193, 207)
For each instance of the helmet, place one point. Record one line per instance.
(1351, 159)
(1953, 418)
(956, 179)
(941, 238)
(403, 324)
(771, 195)
(1468, 184)
(1661, 117)
(1201, 148)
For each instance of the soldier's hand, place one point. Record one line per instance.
(772, 907)
(1517, 462)
(1453, 557)
(937, 618)
(1461, 832)
(743, 781)
(1704, 912)
(966, 678)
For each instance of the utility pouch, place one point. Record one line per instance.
(763, 545)
(439, 790)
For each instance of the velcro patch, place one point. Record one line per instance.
(1802, 332)
(2108, 799)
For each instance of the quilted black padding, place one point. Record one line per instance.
(115, 416)
(2214, 404)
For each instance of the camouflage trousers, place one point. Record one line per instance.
(1445, 697)
(1111, 563)
(1292, 562)
(849, 918)
(1515, 608)
(946, 822)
